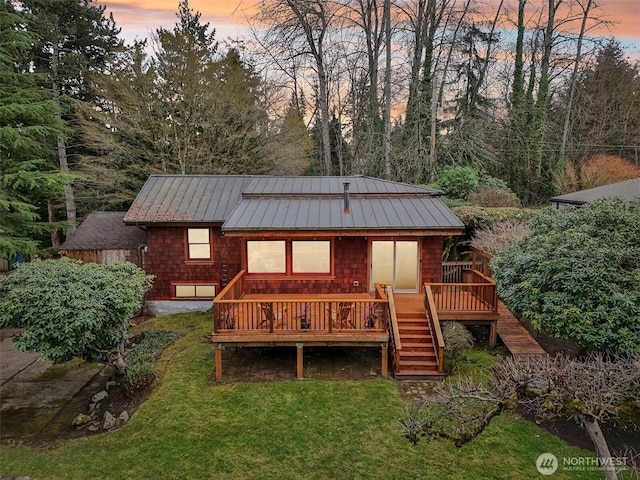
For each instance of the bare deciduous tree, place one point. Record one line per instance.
(589, 390)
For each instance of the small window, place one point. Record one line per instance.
(311, 256)
(199, 244)
(268, 256)
(197, 290)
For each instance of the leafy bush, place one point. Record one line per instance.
(67, 308)
(577, 275)
(142, 358)
(457, 340)
(457, 182)
(494, 197)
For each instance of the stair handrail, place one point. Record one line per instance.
(431, 313)
(396, 344)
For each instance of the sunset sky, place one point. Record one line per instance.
(138, 18)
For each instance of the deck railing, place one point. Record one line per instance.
(456, 272)
(431, 313)
(477, 294)
(281, 313)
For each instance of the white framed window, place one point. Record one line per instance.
(198, 244)
(194, 290)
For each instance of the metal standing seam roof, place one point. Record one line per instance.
(244, 203)
(312, 213)
(187, 199)
(627, 190)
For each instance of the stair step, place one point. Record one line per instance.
(411, 364)
(417, 374)
(416, 354)
(413, 344)
(413, 327)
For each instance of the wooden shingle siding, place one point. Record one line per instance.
(166, 260)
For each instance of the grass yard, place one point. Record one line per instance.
(286, 430)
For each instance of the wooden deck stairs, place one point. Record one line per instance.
(418, 358)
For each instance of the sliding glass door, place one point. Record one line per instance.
(395, 262)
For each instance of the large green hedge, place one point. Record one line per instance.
(577, 275)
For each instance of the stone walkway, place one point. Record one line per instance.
(35, 391)
(417, 391)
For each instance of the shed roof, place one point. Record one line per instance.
(105, 231)
(261, 203)
(627, 190)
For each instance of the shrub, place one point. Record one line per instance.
(494, 197)
(457, 182)
(595, 172)
(457, 340)
(576, 275)
(142, 358)
(68, 309)
(498, 236)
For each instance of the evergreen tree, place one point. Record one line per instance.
(28, 129)
(74, 40)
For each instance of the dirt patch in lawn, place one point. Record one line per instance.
(276, 364)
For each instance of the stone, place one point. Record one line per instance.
(99, 396)
(108, 421)
(110, 384)
(94, 427)
(92, 406)
(80, 420)
(123, 418)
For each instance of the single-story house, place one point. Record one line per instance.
(104, 238)
(289, 234)
(627, 190)
(308, 261)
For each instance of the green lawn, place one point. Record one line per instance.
(289, 430)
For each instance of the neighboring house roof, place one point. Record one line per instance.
(105, 231)
(627, 190)
(254, 203)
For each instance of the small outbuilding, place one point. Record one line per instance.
(104, 238)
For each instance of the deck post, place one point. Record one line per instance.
(385, 359)
(299, 362)
(493, 334)
(218, 352)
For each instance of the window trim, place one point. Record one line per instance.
(288, 273)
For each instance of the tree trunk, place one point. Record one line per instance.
(120, 362)
(602, 448)
(387, 90)
(62, 147)
(55, 235)
(574, 81)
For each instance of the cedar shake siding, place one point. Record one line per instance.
(166, 258)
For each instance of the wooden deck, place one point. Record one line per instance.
(514, 335)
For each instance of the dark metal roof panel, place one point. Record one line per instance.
(627, 190)
(187, 198)
(391, 213)
(265, 185)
